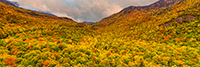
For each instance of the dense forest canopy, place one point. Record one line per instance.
(166, 33)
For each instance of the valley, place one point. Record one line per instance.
(163, 34)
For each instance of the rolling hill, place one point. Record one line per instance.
(163, 34)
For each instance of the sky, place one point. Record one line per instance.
(81, 10)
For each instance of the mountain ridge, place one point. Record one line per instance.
(15, 4)
(157, 5)
(8, 3)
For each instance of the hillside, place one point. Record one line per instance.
(126, 13)
(15, 4)
(7, 2)
(152, 21)
(163, 34)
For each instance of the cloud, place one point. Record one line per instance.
(81, 10)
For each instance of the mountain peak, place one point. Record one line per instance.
(160, 3)
(15, 4)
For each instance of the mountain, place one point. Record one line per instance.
(158, 4)
(30, 12)
(15, 4)
(161, 4)
(14, 15)
(157, 16)
(8, 3)
(163, 34)
(48, 13)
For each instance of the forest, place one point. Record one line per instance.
(161, 36)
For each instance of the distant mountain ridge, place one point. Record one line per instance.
(160, 3)
(157, 5)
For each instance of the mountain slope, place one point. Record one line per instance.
(15, 4)
(7, 2)
(149, 24)
(159, 5)
(17, 17)
(23, 31)
(141, 20)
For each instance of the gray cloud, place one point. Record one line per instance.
(81, 10)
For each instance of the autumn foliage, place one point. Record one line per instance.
(11, 61)
(134, 37)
